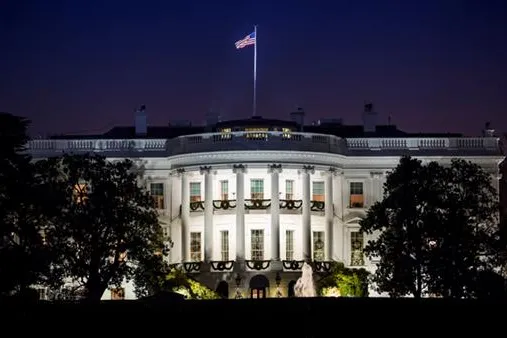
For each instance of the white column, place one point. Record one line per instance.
(329, 212)
(275, 170)
(306, 217)
(185, 214)
(208, 213)
(377, 182)
(168, 189)
(239, 170)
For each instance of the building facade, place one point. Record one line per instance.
(246, 202)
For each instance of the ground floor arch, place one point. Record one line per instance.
(259, 286)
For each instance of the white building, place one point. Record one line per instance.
(246, 201)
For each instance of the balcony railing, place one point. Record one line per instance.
(242, 141)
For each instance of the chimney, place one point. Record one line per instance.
(141, 125)
(212, 118)
(298, 116)
(488, 130)
(369, 118)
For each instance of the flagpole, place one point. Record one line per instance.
(255, 74)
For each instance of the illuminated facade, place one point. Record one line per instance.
(245, 202)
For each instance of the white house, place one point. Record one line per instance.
(246, 201)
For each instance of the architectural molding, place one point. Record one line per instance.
(239, 168)
(307, 169)
(275, 168)
(205, 170)
(377, 175)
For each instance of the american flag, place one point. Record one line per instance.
(246, 41)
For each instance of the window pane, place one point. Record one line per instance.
(224, 190)
(224, 245)
(318, 245)
(157, 192)
(195, 191)
(257, 244)
(289, 189)
(257, 189)
(318, 191)
(356, 195)
(195, 246)
(289, 245)
(356, 249)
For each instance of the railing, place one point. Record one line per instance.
(238, 141)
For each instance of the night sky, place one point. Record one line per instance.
(85, 65)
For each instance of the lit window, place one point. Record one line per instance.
(318, 191)
(157, 193)
(289, 245)
(356, 249)
(195, 191)
(257, 189)
(195, 246)
(118, 294)
(224, 239)
(224, 190)
(286, 132)
(80, 192)
(289, 190)
(226, 133)
(257, 244)
(318, 245)
(256, 133)
(356, 195)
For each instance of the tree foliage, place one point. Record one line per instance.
(107, 225)
(24, 260)
(437, 229)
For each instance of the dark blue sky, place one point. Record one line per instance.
(85, 65)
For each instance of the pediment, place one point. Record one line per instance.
(353, 218)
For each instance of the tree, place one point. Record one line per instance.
(23, 256)
(466, 237)
(437, 229)
(108, 225)
(401, 243)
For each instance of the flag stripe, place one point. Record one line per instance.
(246, 41)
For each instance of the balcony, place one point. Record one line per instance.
(242, 141)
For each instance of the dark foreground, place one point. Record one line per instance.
(296, 317)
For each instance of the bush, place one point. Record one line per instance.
(344, 282)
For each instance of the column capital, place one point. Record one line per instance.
(239, 168)
(307, 169)
(274, 168)
(334, 171)
(377, 174)
(205, 170)
(178, 172)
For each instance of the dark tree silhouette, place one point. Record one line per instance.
(23, 257)
(108, 226)
(437, 229)
(466, 231)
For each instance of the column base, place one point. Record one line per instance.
(239, 265)
(205, 267)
